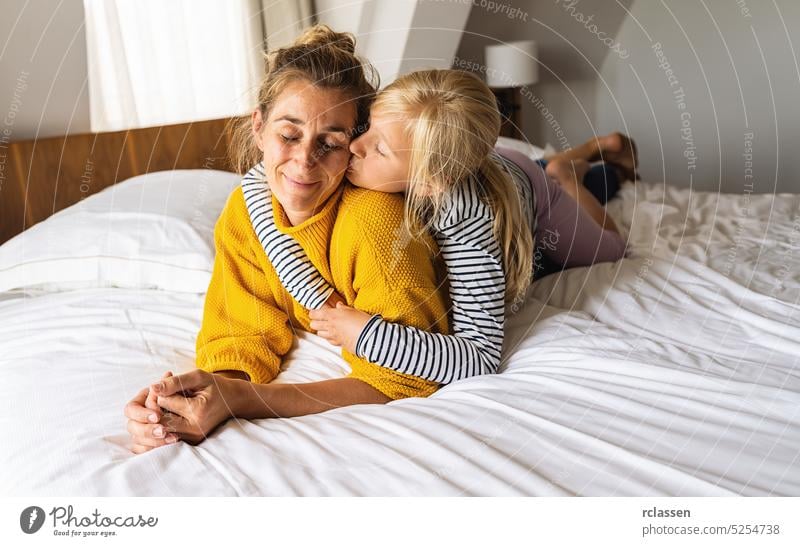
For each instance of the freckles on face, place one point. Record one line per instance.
(305, 141)
(381, 156)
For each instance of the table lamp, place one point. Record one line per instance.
(509, 67)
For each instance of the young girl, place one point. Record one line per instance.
(432, 136)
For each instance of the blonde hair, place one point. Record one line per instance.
(321, 56)
(453, 123)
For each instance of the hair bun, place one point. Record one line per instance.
(323, 36)
(320, 56)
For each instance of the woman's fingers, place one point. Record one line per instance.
(196, 379)
(144, 406)
(187, 428)
(143, 415)
(136, 410)
(151, 402)
(138, 449)
(154, 442)
(177, 404)
(147, 433)
(151, 435)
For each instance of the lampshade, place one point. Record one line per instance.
(513, 64)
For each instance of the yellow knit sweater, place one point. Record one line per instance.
(355, 243)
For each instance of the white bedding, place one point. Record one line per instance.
(673, 372)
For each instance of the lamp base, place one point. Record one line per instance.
(508, 103)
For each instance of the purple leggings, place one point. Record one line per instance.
(565, 233)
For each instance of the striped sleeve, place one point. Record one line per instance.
(477, 292)
(296, 272)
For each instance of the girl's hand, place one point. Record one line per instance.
(198, 401)
(333, 299)
(340, 325)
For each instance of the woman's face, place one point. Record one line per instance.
(305, 141)
(381, 156)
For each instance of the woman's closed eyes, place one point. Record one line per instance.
(325, 145)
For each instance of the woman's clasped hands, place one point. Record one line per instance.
(185, 407)
(189, 406)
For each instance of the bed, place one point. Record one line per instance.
(673, 372)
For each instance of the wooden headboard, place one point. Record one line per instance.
(41, 177)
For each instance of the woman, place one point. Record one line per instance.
(315, 95)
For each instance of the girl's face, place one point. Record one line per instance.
(381, 156)
(305, 141)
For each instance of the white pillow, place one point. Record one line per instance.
(534, 152)
(151, 231)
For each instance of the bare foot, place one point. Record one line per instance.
(620, 150)
(566, 171)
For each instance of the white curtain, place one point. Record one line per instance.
(157, 62)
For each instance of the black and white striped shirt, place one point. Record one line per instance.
(296, 272)
(463, 231)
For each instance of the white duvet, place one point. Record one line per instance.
(673, 372)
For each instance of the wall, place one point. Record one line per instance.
(43, 69)
(560, 108)
(399, 36)
(734, 73)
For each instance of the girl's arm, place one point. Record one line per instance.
(477, 293)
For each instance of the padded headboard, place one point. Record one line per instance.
(41, 177)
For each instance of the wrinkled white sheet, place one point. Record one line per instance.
(673, 372)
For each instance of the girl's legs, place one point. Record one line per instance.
(570, 174)
(565, 231)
